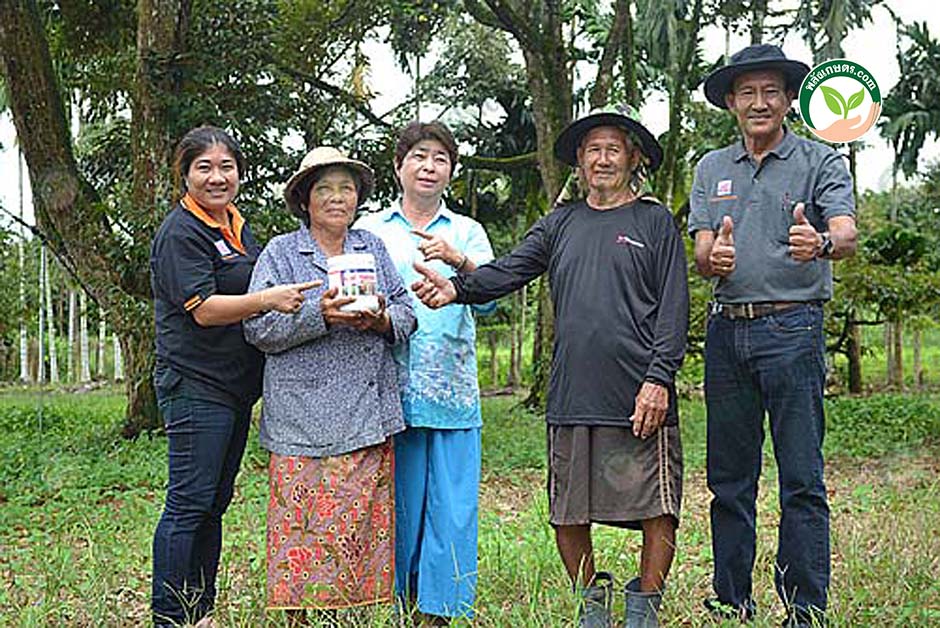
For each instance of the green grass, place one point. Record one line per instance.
(78, 506)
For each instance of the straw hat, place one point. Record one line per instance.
(323, 157)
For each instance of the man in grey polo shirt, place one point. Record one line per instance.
(617, 268)
(768, 214)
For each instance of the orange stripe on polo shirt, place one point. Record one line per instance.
(232, 235)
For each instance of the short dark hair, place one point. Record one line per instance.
(196, 142)
(302, 190)
(416, 132)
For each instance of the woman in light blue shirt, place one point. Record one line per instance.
(437, 459)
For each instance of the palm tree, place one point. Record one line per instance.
(911, 113)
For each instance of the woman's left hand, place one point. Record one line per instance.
(378, 321)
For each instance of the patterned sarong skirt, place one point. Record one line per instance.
(331, 524)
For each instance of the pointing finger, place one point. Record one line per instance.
(429, 273)
(422, 233)
(307, 285)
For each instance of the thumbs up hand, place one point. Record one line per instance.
(804, 239)
(726, 232)
(721, 258)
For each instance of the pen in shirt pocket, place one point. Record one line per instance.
(786, 208)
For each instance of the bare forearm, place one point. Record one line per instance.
(844, 237)
(225, 309)
(703, 249)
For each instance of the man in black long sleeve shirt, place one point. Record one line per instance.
(617, 269)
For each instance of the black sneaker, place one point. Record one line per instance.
(722, 610)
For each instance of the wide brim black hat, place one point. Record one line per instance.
(751, 59)
(566, 146)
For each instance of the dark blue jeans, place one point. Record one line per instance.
(773, 365)
(206, 443)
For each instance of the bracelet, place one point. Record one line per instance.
(462, 263)
(263, 310)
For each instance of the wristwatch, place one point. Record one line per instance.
(826, 246)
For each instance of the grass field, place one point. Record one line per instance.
(78, 506)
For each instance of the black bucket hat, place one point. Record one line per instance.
(751, 59)
(623, 117)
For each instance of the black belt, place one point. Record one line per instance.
(750, 311)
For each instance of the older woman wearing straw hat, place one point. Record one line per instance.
(331, 400)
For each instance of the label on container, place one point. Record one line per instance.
(354, 276)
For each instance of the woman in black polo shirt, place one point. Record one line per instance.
(207, 377)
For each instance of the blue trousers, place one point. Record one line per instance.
(773, 365)
(206, 443)
(437, 481)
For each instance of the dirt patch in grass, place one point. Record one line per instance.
(509, 495)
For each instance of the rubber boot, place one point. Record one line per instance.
(642, 610)
(595, 602)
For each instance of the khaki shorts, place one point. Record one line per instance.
(607, 475)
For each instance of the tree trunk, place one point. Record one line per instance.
(523, 319)
(727, 55)
(40, 329)
(67, 208)
(50, 320)
(492, 340)
(542, 347)
(516, 332)
(83, 338)
(137, 351)
(118, 358)
(834, 26)
(162, 27)
(72, 345)
(24, 337)
(680, 63)
(102, 343)
(916, 356)
(898, 354)
(758, 14)
(889, 352)
(631, 87)
(616, 37)
(854, 355)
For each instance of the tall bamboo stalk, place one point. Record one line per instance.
(24, 337)
(83, 337)
(102, 341)
(70, 361)
(118, 361)
(50, 324)
(41, 361)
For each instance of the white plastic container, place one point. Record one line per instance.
(354, 275)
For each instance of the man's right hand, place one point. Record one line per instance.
(434, 290)
(721, 258)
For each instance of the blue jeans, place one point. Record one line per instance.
(774, 364)
(206, 443)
